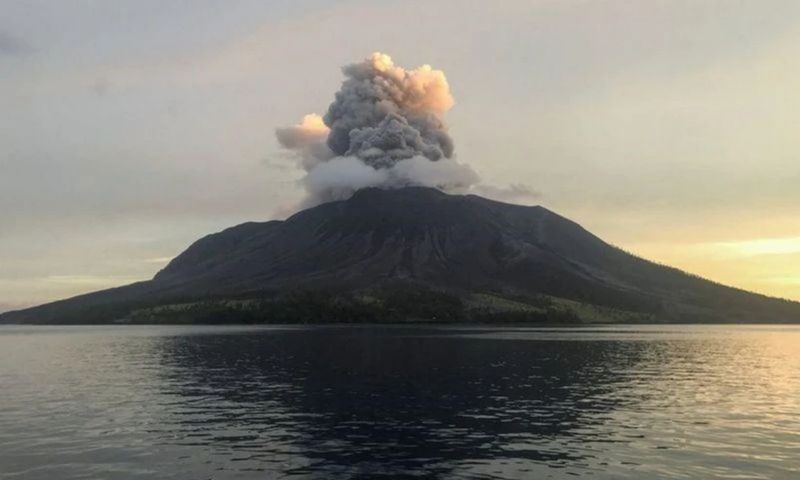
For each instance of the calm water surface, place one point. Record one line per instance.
(365, 402)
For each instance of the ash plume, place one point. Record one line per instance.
(308, 139)
(385, 128)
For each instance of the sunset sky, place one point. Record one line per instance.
(131, 128)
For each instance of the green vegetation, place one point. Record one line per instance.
(395, 305)
(547, 309)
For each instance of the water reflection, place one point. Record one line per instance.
(364, 402)
(372, 401)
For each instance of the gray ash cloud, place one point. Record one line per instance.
(385, 128)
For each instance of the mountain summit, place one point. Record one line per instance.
(413, 254)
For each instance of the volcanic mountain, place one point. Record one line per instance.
(413, 254)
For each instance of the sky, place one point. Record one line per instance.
(132, 128)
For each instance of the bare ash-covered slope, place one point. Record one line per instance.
(466, 247)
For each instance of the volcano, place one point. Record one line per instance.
(413, 254)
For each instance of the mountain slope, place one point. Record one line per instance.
(466, 247)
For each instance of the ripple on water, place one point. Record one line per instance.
(343, 402)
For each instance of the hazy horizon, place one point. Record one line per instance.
(133, 128)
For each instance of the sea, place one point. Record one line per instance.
(429, 402)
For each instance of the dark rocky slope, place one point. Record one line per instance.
(487, 255)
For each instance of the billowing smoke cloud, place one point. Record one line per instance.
(383, 113)
(308, 139)
(385, 128)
